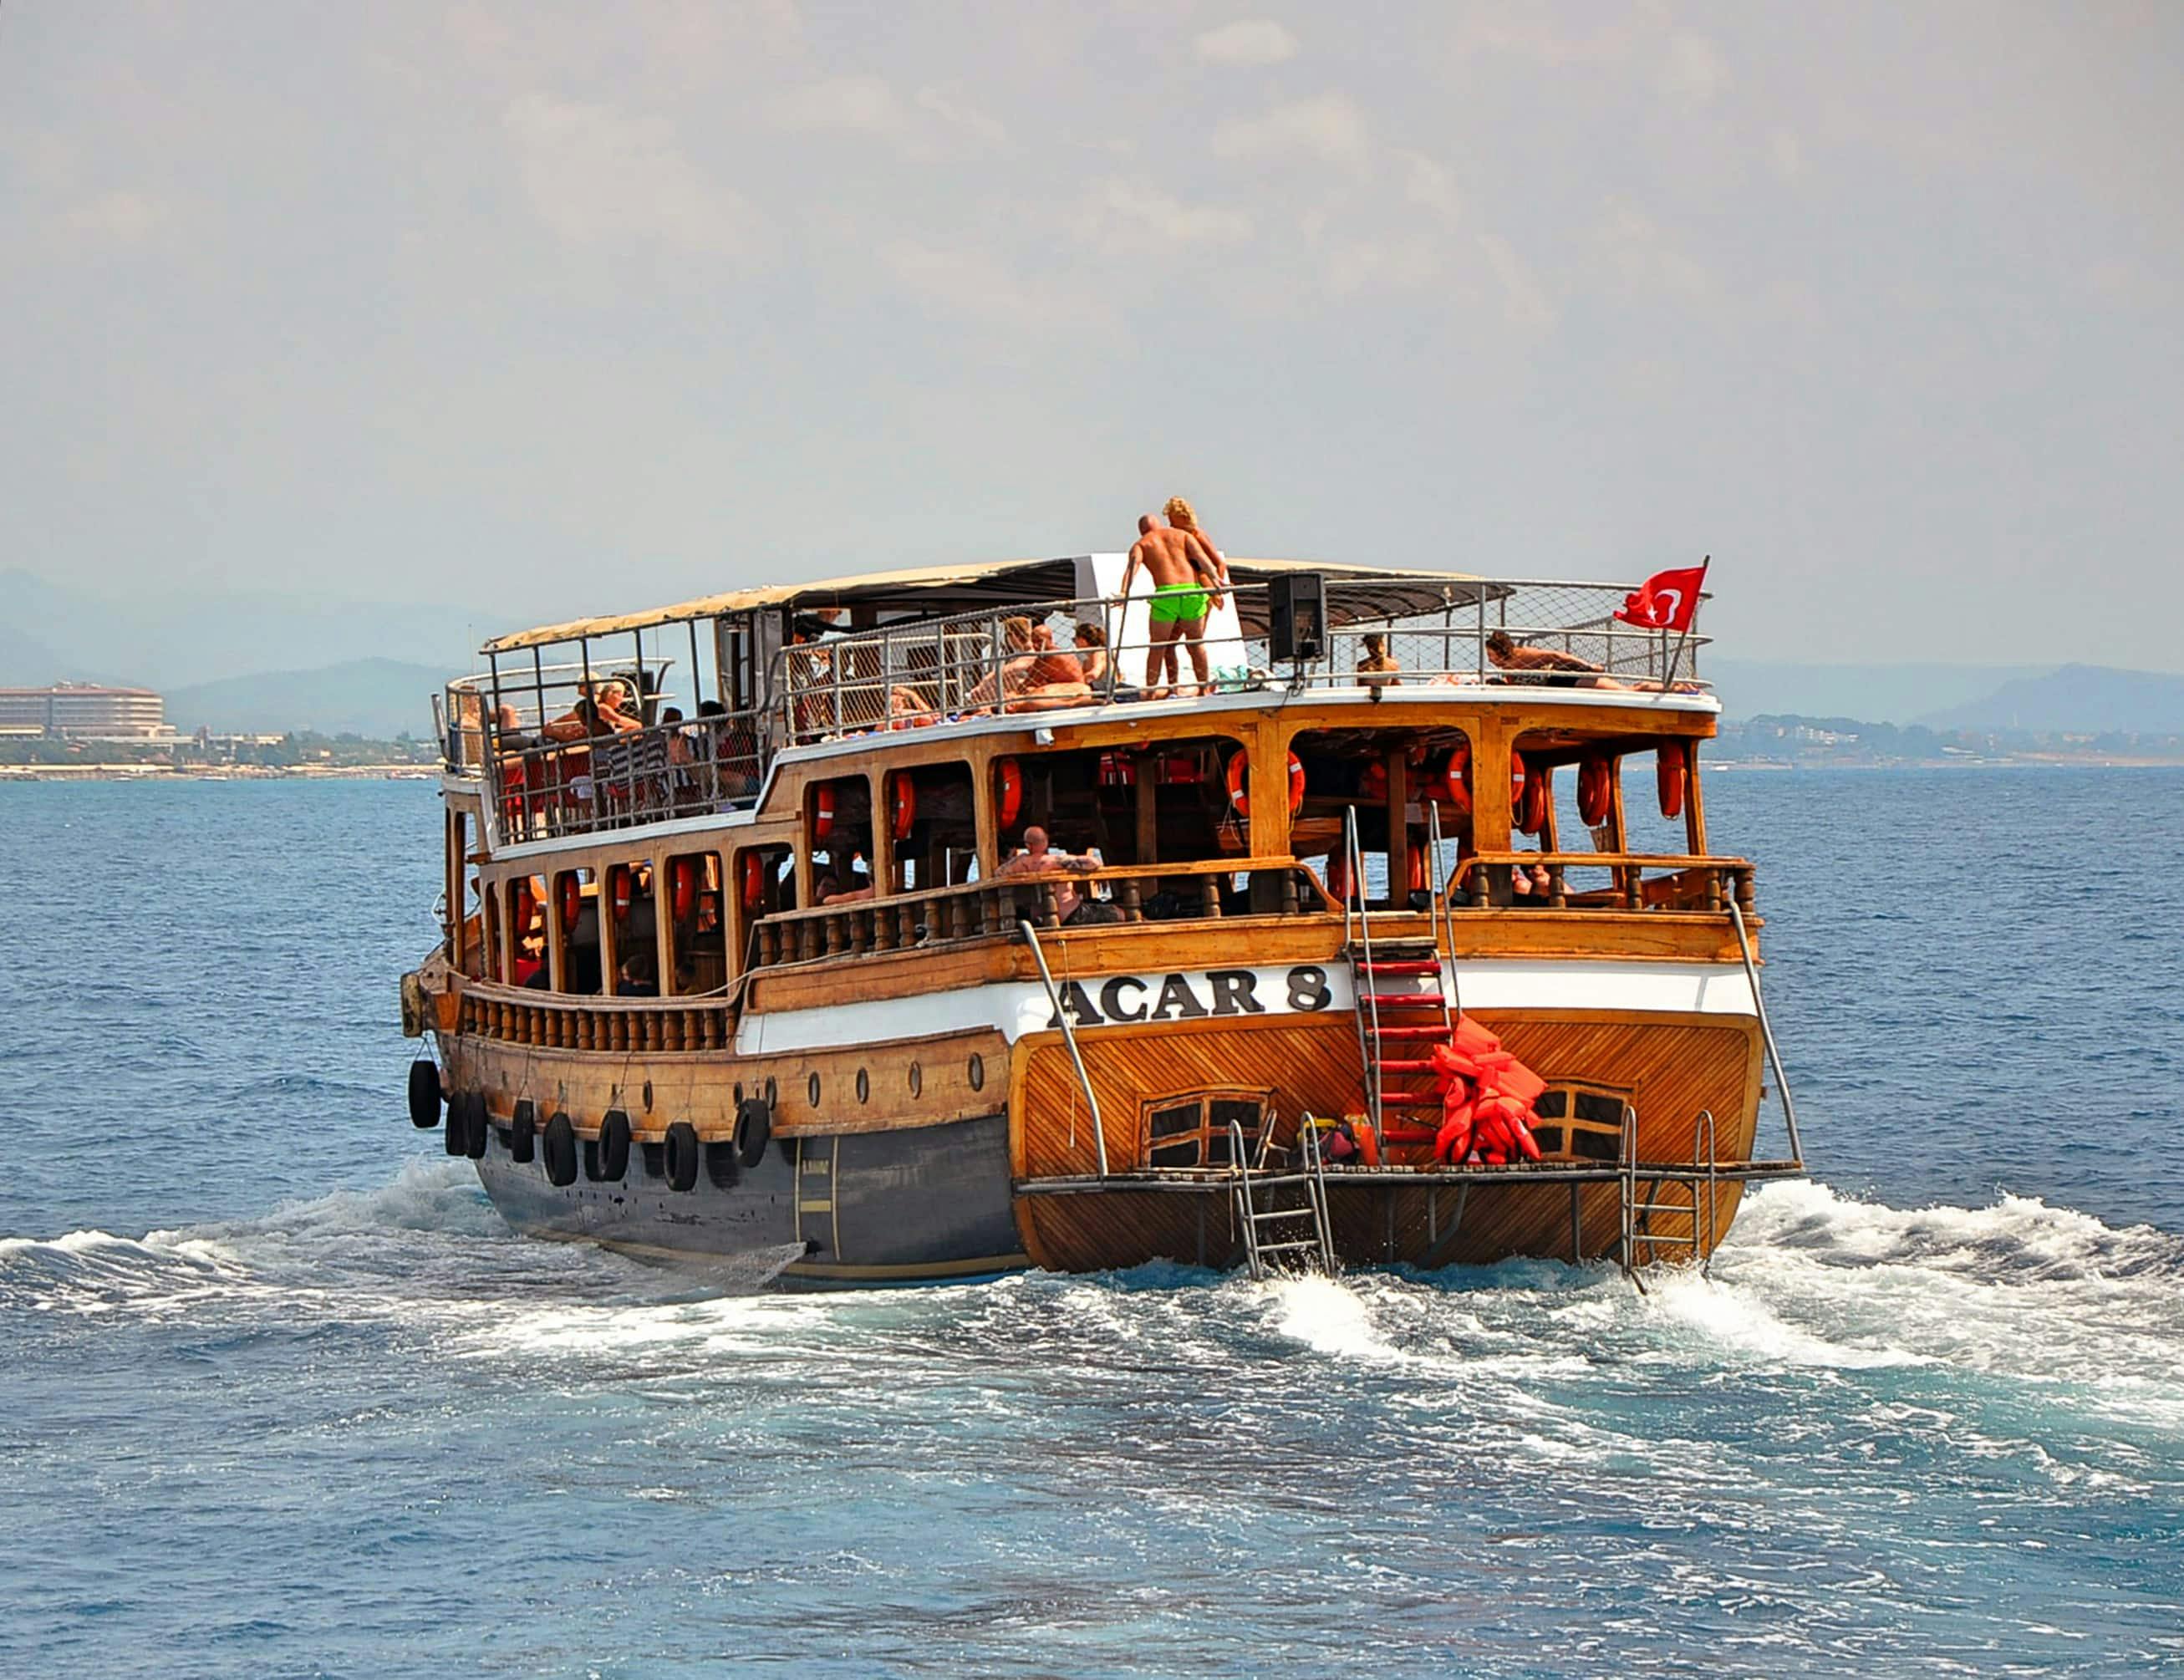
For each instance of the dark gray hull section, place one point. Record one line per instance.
(848, 1210)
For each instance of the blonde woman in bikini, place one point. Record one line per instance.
(1186, 584)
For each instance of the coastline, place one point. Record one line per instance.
(386, 772)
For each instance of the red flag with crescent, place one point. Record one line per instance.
(1667, 600)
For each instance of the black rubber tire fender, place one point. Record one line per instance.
(684, 1155)
(613, 1146)
(523, 1133)
(456, 1136)
(753, 1126)
(559, 1150)
(424, 1094)
(477, 1127)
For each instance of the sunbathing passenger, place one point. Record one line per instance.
(1054, 679)
(1547, 666)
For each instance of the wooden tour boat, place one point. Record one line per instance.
(737, 972)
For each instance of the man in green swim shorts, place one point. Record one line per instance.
(1186, 587)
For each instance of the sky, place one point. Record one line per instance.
(527, 309)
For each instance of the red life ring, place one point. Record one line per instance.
(572, 902)
(685, 874)
(1595, 783)
(1236, 774)
(1456, 781)
(1008, 782)
(754, 880)
(904, 806)
(619, 887)
(1372, 782)
(823, 813)
(1529, 801)
(1670, 772)
(1418, 870)
(524, 906)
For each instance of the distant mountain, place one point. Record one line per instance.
(2077, 699)
(375, 698)
(179, 639)
(1882, 693)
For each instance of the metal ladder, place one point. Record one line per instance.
(1422, 1017)
(1252, 1219)
(1639, 1205)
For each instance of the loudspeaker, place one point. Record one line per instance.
(1297, 605)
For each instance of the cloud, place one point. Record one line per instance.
(1428, 183)
(1694, 71)
(962, 280)
(1647, 258)
(1329, 128)
(1123, 218)
(1785, 155)
(116, 218)
(862, 104)
(1249, 41)
(598, 176)
(987, 131)
(1523, 301)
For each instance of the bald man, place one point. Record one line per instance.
(1186, 587)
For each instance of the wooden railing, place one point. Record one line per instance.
(559, 1020)
(1691, 884)
(983, 909)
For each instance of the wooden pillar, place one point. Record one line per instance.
(1398, 829)
(1694, 801)
(883, 858)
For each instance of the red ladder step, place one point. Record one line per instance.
(1411, 1032)
(1395, 965)
(1402, 1065)
(1396, 1000)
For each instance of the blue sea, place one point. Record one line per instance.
(282, 1396)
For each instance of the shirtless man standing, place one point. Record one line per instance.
(1186, 587)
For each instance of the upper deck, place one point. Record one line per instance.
(728, 689)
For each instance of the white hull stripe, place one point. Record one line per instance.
(1017, 1008)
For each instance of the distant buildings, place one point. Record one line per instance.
(84, 711)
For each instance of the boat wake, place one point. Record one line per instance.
(2089, 1316)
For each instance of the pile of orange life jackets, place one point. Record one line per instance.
(1486, 1100)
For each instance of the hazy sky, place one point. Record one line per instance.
(549, 309)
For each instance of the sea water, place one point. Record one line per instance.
(282, 1396)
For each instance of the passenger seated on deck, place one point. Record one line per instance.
(1075, 907)
(1019, 654)
(1376, 665)
(1091, 641)
(1530, 885)
(508, 730)
(639, 976)
(1547, 666)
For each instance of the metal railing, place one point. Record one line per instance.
(1023, 659)
(986, 909)
(1634, 881)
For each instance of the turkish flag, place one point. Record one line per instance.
(1667, 600)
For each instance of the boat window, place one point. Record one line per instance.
(1580, 1122)
(838, 828)
(696, 926)
(1191, 1128)
(632, 930)
(490, 931)
(933, 825)
(574, 921)
(1166, 801)
(526, 895)
(1650, 793)
(1399, 784)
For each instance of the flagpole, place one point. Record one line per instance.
(1676, 658)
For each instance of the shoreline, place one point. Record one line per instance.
(389, 773)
